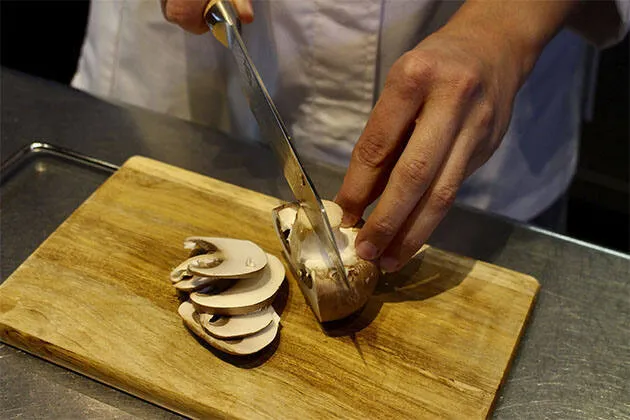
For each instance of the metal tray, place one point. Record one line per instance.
(40, 186)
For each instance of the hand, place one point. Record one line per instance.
(442, 113)
(189, 13)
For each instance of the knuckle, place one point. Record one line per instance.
(370, 152)
(350, 201)
(413, 171)
(384, 228)
(486, 127)
(409, 246)
(486, 115)
(469, 82)
(412, 71)
(444, 196)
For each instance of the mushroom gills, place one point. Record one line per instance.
(238, 346)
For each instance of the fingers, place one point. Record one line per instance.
(186, 13)
(429, 212)
(431, 208)
(372, 158)
(245, 10)
(383, 139)
(189, 13)
(412, 176)
(472, 147)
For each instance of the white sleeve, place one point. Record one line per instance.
(623, 8)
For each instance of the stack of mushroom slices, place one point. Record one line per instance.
(230, 285)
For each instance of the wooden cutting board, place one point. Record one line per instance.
(437, 339)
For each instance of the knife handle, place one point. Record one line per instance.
(221, 17)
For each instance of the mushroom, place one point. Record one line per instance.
(233, 258)
(328, 296)
(231, 283)
(237, 326)
(245, 295)
(238, 346)
(220, 258)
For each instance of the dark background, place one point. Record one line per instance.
(44, 38)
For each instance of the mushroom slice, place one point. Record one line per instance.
(181, 272)
(233, 258)
(195, 283)
(237, 326)
(246, 295)
(240, 346)
(327, 296)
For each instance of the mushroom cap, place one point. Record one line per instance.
(246, 295)
(236, 326)
(233, 258)
(334, 300)
(240, 346)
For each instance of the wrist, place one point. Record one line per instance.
(516, 29)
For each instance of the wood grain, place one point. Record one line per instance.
(96, 297)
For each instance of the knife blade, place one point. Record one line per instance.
(224, 23)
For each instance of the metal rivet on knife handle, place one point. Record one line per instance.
(218, 14)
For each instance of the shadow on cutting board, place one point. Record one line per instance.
(246, 362)
(421, 280)
(418, 280)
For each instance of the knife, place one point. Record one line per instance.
(225, 25)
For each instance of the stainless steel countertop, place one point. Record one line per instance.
(573, 361)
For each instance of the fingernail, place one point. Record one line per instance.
(389, 264)
(367, 250)
(348, 220)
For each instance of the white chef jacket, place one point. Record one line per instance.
(324, 63)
